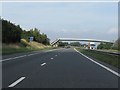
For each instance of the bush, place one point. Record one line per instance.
(11, 33)
(105, 46)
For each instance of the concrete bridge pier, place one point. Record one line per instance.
(55, 45)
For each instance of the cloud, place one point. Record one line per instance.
(113, 31)
(64, 31)
(75, 20)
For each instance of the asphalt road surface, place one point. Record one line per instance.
(62, 68)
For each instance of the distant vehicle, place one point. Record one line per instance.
(92, 45)
(67, 46)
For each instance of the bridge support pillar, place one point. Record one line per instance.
(56, 45)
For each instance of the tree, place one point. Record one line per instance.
(105, 46)
(11, 33)
(116, 45)
(41, 38)
(75, 44)
(62, 44)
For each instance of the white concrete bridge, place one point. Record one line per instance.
(55, 43)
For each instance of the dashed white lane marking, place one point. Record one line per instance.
(56, 55)
(108, 69)
(51, 58)
(25, 55)
(43, 64)
(16, 82)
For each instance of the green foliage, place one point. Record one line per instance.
(26, 35)
(105, 46)
(116, 45)
(24, 44)
(11, 33)
(62, 44)
(104, 57)
(75, 44)
(41, 38)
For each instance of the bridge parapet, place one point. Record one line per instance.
(77, 39)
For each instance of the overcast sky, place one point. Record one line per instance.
(66, 20)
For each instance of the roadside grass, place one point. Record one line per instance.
(111, 50)
(24, 46)
(11, 50)
(14, 50)
(104, 57)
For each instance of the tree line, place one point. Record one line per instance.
(12, 33)
(105, 46)
(71, 44)
(115, 46)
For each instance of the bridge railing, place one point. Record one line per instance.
(73, 39)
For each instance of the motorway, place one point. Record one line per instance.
(60, 68)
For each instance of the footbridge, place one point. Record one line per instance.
(55, 43)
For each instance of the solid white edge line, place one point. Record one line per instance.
(16, 82)
(24, 56)
(43, 64)
(108, 69)
(51, 50)
(12, 58)
(32, 54)
(19, 57)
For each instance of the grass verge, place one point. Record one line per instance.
(6, 51)
(104, 57)
(19, 48)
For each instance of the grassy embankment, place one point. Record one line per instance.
(110, 50)
(24, 46)
(104, 57)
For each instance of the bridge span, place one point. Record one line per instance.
(54, 43)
